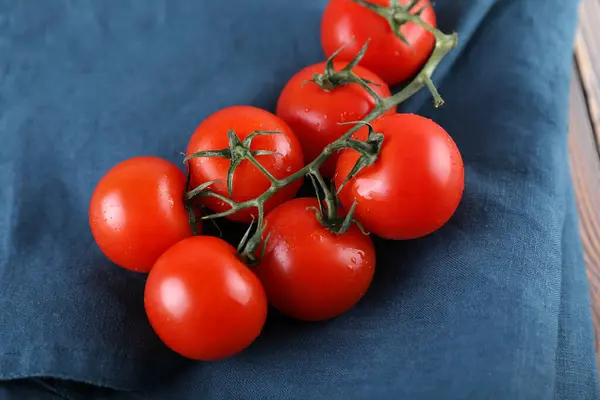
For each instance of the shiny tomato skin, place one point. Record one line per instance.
(348, 23)
(415, 185)
(308, 272)
(202, 301)
(315, 114)
(248, 181)
(136, 211)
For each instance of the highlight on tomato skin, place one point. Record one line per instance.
(346, 23)
(315, 114)
(248, 181)
(201, 298)
(202, 301)
(415, 185)
(308, 272)
(137, 212)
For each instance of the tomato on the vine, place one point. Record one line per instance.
(346, 23)
(414, 186)
(137, 211)
(315, 114)
(248, 182)
(308, 272)
(202, 301)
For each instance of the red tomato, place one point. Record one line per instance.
(314, 114)
(137, 211)
(348, 23)
(308, 272)
(248, 182)
(415, 185)
(202, 301)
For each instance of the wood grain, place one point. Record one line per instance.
(585, 168)
(587, 49)
(584, 140)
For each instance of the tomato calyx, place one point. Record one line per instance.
(397, 15)
(237, 152)
(331, 79)
(368, 150)
(249, 244)
(327, 212)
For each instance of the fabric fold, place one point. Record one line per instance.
(494, 305)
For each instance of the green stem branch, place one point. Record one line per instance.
(444, 44)
(330, 201)
(262, 169)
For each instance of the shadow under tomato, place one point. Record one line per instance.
(125, 328)
(401, 268)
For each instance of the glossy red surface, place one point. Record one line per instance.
(308, 272)
(202, 301)
(415, 185)
(315, 114)
(348, 23)
(136, 211)
(248, 181)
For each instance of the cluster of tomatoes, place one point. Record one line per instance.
(201, 297)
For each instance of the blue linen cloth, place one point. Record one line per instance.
(493, 306)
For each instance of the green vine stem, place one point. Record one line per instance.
(397, 15)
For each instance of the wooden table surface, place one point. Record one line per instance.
(584, 146)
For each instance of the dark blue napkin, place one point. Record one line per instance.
(493, 306)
